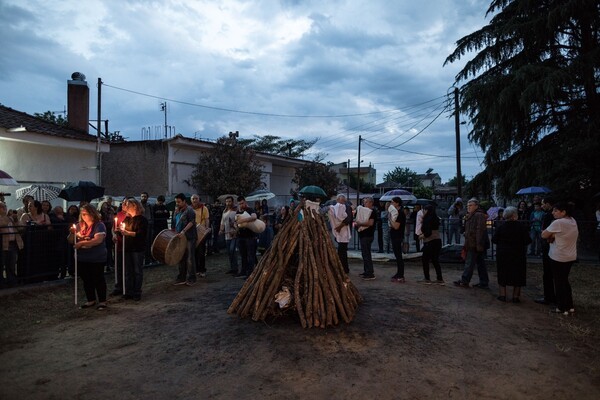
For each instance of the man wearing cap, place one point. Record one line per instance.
(475, 243)
(456, 214)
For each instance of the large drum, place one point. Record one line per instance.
(168, 247)
(203, 233)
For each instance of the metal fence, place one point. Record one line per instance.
(588, 245)
(46, 254)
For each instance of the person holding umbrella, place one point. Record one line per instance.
(91, 255)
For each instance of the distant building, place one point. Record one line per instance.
(165, 166)
(367, 174)
(35, 151)
(430, 179)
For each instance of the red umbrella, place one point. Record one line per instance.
(7, 180)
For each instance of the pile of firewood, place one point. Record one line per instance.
(303, 262)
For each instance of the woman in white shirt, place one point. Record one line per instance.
(562, 235)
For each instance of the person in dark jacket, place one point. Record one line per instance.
(512, 239)
(432, 245)
(135, 232)
(475, 244)
(549, 295)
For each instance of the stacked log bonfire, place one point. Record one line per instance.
(302, 257)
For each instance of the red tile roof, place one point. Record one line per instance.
(10, 118)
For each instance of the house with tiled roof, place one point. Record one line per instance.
(36, 151)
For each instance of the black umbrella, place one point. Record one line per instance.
(81, 191)
(312, 191)
(170, 203)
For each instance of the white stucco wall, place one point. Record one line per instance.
(33, 158)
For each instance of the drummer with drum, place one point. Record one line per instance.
(183, 222)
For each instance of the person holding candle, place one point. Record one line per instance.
(134, 230)
(107, 211)
(118, 246)
(91, 255)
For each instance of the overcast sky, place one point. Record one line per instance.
(331, 70)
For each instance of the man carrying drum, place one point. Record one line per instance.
(183, 223)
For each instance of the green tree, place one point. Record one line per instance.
(454, 181)
(404, 176)
(422, 192)
(229, 167)
(276, 145)
(318, 174)
(365, 187)
(531, 92)
(50, 116)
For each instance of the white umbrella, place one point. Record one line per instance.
(222, 197)
(39, 192)
(260, 195)
(7, 180)
(405, 195)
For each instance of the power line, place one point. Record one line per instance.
(381, 121)
(242, 111)
(385, 144)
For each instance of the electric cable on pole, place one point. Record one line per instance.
(358, 174)
(457, 129)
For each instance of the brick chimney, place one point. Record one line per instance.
(78, 102)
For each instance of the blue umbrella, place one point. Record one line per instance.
(534, 190)
(81, 191)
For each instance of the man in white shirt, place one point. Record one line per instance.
(341, 220)
(227, 227)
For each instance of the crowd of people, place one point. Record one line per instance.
(111, 238)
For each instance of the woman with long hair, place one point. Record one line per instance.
(134, 230)
(35, 215)
(562, 235)
(91, 255)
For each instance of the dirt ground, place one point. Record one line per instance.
(407, 341)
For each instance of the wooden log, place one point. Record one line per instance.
(275, 284)
(297, 278)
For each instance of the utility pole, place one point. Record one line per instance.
(98, 129)
(163, 107)
(348, 183)
(358, 174)
(457, 129)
